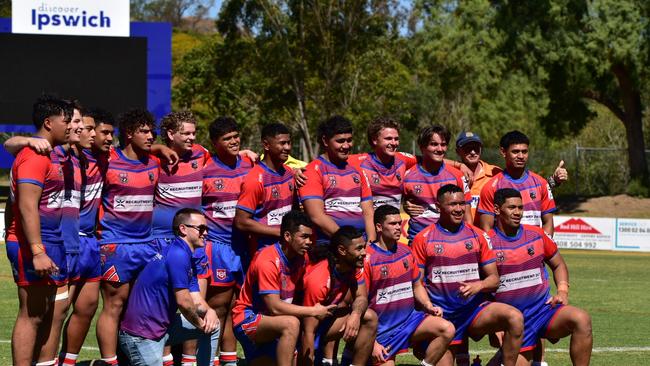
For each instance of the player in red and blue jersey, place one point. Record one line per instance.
(394, 286)
(125, 218)
(223, 175)
(522, 251)
(167, 284)
(266, 322)
(384, 167)
(458, 267)
(268, 190)
(538, 198)
(338, 280)
(421, 183)
(34, 240)
(336, 193)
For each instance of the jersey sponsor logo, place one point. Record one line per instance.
(224, 210)
(332, 180)
(532, 194)
(383, 272)
(55, 199)
(356, 179)
(394, 293)
(92, 191)
(487, 240)
(180, 190)
(133, 203)
(71, 199)
(375, 178)
(432, 211)
(533, 218)
(531, 250)
(275, 194)
(124, 177)
(453, 274)
(417, 189)
(387, 200)
(195, 165)
(438, 248)
(465, 184)
(501, 256)
(518, 280)
(274, 217)
(469, 246)
(474, 202)
(218, 184)
(343, 204)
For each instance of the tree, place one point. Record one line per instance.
(175, 12)
(583, 51)
(302, 61)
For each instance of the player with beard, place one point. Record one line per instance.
(34, 240)
(394, 286)
(522, 253)
(458, 267)
(338, 280)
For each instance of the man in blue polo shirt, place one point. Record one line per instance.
(166, 284)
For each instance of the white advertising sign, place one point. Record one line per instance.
(71, 17)
(585, 232)
(633, 235)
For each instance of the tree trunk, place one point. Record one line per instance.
(632, 119)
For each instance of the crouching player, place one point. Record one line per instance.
(168, 283)
(329, 282)
(522, 251)
(458, 267)
(394, 284)
(265, 321)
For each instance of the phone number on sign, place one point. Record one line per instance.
(576, 244)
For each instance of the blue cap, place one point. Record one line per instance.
(466, 137)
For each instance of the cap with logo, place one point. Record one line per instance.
(467, 137)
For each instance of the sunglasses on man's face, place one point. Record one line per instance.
(202, 229)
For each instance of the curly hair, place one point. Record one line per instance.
(131, 120)
(174, 121)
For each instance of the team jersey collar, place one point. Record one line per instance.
(181, 243)
(278, 173)
(215, 158)
(505, 237)
(326, 162)
(382, 250)
(278, 248)
(522, 179)
(374, 157)
(447, 232)
(425, 172)
(122, 156)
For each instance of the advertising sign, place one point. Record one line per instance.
(585, 232)
(71, 17)
(633, 235)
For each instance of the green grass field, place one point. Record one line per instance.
(613, 287)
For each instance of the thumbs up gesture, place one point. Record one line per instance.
(560, 175)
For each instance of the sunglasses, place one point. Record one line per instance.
(202, 229)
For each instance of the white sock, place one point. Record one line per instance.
(327, 362)
(188, 360)
(69, 359)
(425, 363)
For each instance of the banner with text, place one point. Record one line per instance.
(71, 17)
(584, 232)
(633, 235)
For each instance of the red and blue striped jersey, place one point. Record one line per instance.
(70, 205)
(449, 259)
(47, 173)
(221, 189)
(386, 181)
(341, 188)
(178, 187)
(390, 276)
(93, 174)
(521, 263)
(268, 196)
(270, 272)
(126, 212)
(535, 193)
(421, 188)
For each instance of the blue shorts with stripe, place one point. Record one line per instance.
(22, 265)
(123, 263)
(536, 325)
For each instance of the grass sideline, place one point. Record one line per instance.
(612, 286)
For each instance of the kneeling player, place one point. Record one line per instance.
(522, 251)
(329, 282)
(457, 264)
(265, 321)
(393, 280)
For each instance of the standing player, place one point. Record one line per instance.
(384, 167)
(538, 198)
(266, 322)
(125, 218)
(423, 180)
(458, 267)
(394, 285)
(332, 281)
(522, 252)
(222, 178)
(267, 192)
(34, 240)
(336, 193)
(169, 283)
